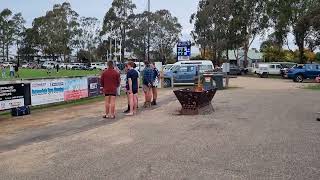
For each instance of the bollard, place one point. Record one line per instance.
(172, 84)
(161, 79)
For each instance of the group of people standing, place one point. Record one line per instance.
(110, 83)
(13, 71)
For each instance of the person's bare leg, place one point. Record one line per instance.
(131, 100)
(150, 96)
(155, 94)
(145, 92)
(135, 107)
(112, 106)
(107, 105)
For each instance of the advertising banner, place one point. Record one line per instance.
(12, 96)
(47, 91)
(75, 88)
(94, 86)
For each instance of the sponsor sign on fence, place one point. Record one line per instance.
(94, 86)
(47, 91)
(14, 95)
(75, 88)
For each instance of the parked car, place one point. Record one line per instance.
(74, 66)
(285, 68)
(63, 65)
(81, 66)
(49, 65)
(236, 70)
(97, 65)
(204, 65)
(263, 71)
(7, 64)
(182, 75)
(30, 66)
(307, 71)
(167, 67)
(25, 65)
(266, 69)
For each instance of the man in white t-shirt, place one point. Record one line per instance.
(11, 71)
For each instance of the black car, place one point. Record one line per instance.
(236, 70)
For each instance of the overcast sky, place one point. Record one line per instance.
(182, 9)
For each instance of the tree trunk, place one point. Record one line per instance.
(123, 39)
(228, 55)
(219, 58)
(301, 53)
(245, 55)
(3, 51)
(300, 43)
(18, 63)
(214, 57)
(7, 50)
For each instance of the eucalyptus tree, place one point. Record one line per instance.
(116, 22)
(56, 30)
(11, 30)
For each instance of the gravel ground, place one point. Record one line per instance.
(265, 129)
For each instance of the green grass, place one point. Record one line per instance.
(313, 87)
(42, 73)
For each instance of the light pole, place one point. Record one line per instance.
(148, 30)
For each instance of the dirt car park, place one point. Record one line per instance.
(260, 129)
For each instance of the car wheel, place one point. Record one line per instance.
(299, 78)
(167, 83)
(264, 75)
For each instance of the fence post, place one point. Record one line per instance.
(172, 83)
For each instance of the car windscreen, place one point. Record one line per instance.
(167, 67)
(205, 67)
(174, 68)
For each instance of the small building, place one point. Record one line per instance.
(237, 57)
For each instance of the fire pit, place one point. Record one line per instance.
(195, 101)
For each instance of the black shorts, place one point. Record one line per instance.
(110, 94)
(134, 91)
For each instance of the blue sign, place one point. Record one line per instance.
(183, 50)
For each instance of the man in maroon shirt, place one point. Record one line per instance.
(110, 81)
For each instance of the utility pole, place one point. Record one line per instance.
(110, 40)
(149, 30)
(115, 50)
(120, 50)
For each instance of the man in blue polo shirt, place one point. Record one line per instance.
(148, 79)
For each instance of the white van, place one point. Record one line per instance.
(98, 65)
(266, 69)
(204, 65)
(49, 65)
(140, 66)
